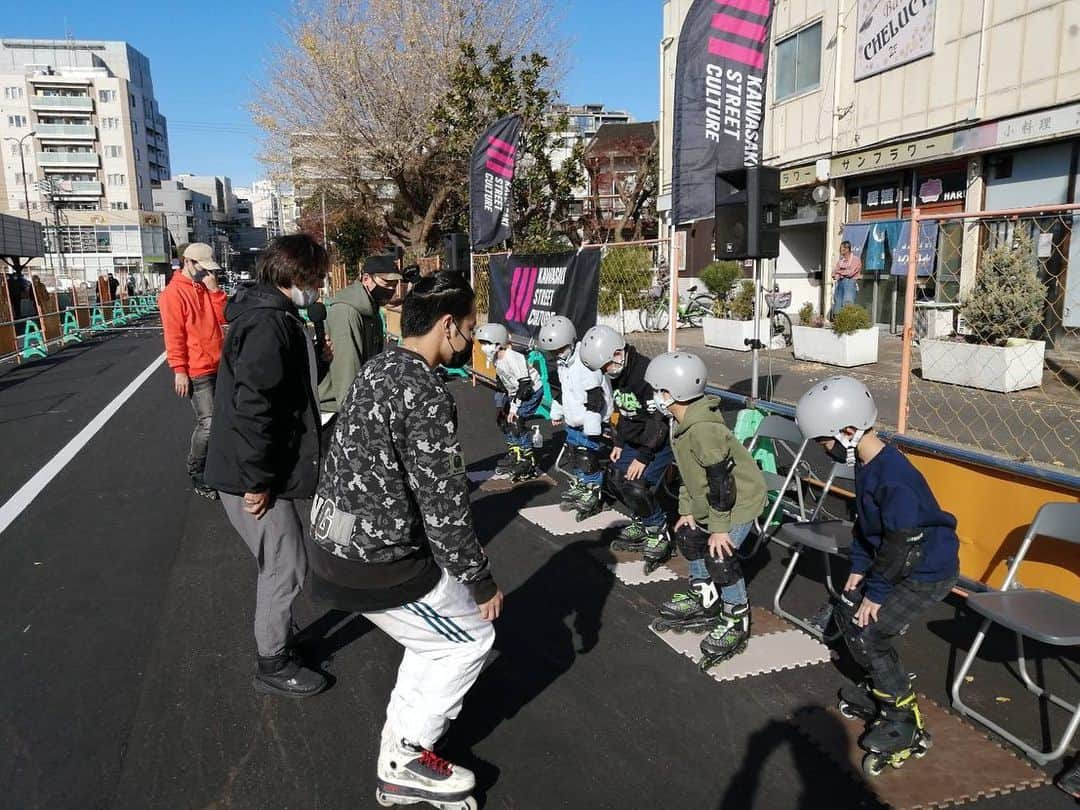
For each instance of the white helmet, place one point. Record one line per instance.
(557, 333)
(681, 374)
(599, 345)
(831, 406)
(492, 333)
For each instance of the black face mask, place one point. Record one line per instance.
(382, 295)
(838, 453)
(460, 358)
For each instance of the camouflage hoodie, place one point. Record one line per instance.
(393, 484)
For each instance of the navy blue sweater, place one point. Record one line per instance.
(893, 496)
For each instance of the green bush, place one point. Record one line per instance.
(720, 277)
(741, 306)
(1008, 297)
(850, 319)
(806, 314)
(628, 271)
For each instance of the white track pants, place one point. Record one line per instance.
(446, 643)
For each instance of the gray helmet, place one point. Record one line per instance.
(492, 333)
(599, 345)
(558, 333)
(681, 374)
(833, 404)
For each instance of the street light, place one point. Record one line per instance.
(22, 163)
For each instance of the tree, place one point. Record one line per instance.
(352, 230)
(352, 101)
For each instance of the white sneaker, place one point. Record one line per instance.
(408, 771)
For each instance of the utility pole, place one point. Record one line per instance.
(22, 163)
(324, 242)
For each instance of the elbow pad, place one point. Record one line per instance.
(525, 389)
(722, 490)
(594, 401)
(898, 555)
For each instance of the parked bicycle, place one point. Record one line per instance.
(779, 321)
(656, 314)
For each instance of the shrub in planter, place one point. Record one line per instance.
(806, 314)
(851, 319)
(628, 271)
(719, 278)
(851, 341)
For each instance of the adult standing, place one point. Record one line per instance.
(393, 537)
(845, 276)
(114, 287)
(265, 448)
(355, 327)
(192, 314)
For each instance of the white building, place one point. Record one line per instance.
(268, 203)
(187, 213)
(584, 121)
(974, 106)
(87, 120)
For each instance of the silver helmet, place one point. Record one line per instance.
(492, 333)
(834, 404)
(557, 333)
(681, 374)
(599, 345)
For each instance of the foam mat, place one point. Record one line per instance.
(555, 521)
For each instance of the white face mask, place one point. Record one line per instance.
(489, 350)
(660, 403)
(565, 356)
(303, 298)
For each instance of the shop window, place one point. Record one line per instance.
(798, 63)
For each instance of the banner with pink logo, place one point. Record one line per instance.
(719, 99)
(491, 176)
(527, 291)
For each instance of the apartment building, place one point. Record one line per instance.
(955, 105)
(187, 213)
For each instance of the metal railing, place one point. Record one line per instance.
(84, 131)
(83, 103)
(89, 159)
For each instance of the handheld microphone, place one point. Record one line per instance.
(316, 313)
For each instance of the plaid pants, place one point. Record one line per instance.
(873, 647)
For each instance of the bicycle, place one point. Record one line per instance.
(779, 321)
(656, 314)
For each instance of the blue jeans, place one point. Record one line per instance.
(730, 594)
(575, 438)
(517, 435)
(654, 472)
(843, 294)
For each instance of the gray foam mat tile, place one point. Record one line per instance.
(555, 521)
(764, 653)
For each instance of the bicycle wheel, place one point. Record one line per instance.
(781, 325)
(659, 316)
(700, 306)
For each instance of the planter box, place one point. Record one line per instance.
(1013, 367)
(723, 333)
(615, 321)
(825, 346)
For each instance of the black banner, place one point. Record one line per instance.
(526, 291)
(719, 99)
(491, 175)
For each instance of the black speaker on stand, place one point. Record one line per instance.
(748, 213)
(456, 253)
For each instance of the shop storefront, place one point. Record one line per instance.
(801, 265)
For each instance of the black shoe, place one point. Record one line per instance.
(284, 675)
(1070, 780)
(206, 492)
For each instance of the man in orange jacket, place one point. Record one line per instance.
(192, 314)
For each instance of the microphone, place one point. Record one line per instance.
(316, 313)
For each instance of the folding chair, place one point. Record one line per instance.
(831, 537)
(1039, 614)
(785, 434)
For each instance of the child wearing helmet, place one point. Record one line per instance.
(584, 405)
(642, 453)
(904, 559)
(520, 394)
(722, 492)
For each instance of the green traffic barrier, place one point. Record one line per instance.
(119, 316)
(97, 320)
(71, 331)
(33, 342)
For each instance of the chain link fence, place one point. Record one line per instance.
(992, 335)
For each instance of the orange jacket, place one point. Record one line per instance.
(192, 318)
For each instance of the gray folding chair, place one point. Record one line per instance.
(785, 434)
(831, 537)
(1039, 614)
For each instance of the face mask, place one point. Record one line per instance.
(565, 356)
(662, 405)
(838, 453)
(199, 276)
(382, 295)
(303, 298)
(614, 370)
(489, 350)
(459, 358)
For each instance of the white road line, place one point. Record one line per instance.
(32, 488)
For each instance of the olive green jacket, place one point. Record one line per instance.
(701, 440)
(354, 324)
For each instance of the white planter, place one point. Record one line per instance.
(632, 319)
(723, 333)
(825, 346)
(1013, 367)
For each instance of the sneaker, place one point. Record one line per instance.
(283, 675)
(406, 770)
(632, 537)
(1070, 780)
(202, 490)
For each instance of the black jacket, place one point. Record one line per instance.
(265, 434)
(641, 427)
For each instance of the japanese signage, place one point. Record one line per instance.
(798, 176)
(892, 33)
(933, 187)
(886, 157)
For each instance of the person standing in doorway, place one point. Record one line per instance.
(192, 314)
(845, 276)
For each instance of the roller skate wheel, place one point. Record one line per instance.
(383, 799)
(846, 710)
(461, 804)
(873, 764)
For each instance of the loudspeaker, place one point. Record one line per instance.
(456, 253)
(748, 213)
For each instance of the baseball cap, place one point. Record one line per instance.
(384, 266)
(202, 254)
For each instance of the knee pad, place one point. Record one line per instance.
(724, 571)
(854, 636)
(637, 496)
(693, 544)
(586, 460)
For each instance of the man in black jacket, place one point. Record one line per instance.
(264, 454)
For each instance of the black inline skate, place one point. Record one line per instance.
(589, 504)
(728, 638)
(568, 500)
(855, 700)
(632, 537)
(696, 609)
(897, 735)
(659, 548)
(524, 467)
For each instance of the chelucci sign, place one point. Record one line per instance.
(892, 33)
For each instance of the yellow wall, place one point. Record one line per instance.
(993, 511)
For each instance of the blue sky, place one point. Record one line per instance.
(206, 57)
